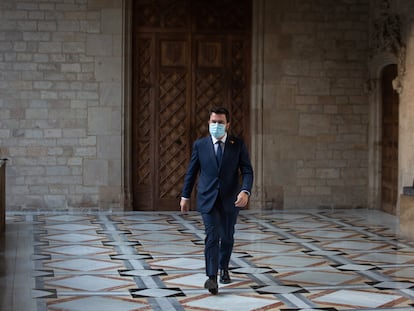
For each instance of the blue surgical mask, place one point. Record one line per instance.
(217, 130)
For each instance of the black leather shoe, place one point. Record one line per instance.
(211, 285)
(225, 277)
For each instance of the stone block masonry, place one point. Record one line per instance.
(58, 59)
(315, 110)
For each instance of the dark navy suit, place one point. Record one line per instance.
(217, 190)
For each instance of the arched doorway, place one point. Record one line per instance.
(389, 150)
(187, 57)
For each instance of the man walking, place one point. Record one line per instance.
(218, 160)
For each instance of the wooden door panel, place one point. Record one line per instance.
(208, 79)
(221, 79)
(173, 113)
(239, 89)
(160, 121)
(143, 121)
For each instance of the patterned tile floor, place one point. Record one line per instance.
(283, 260)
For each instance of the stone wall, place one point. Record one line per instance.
(312, 119)
(61, 102)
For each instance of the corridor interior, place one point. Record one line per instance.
(283, 260)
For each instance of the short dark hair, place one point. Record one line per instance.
(220, 110)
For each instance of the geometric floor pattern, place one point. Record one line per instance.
(282, 260)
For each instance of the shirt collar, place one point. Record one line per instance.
(223, 139)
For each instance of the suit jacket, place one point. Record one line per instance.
(214, 180)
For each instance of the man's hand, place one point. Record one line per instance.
(242, 199)
(185, 205)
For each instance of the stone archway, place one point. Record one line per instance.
(389, 139)
(377, 64)
(387, 49)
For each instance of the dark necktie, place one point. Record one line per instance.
(219, 153)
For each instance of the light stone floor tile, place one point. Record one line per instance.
(289, 261)
(181, 263)
(97, 304)
(83, 264)
(233, 303)
(361, 299)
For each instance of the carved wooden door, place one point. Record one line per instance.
(390, 102)
(188, 57)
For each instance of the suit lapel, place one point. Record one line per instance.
(210, 151)
(228, 149)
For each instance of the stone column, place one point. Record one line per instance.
(374, 142)
(406, 140)
(256, 112)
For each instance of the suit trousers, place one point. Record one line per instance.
(219, 240)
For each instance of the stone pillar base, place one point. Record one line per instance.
(407, 216)
(2, 196)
